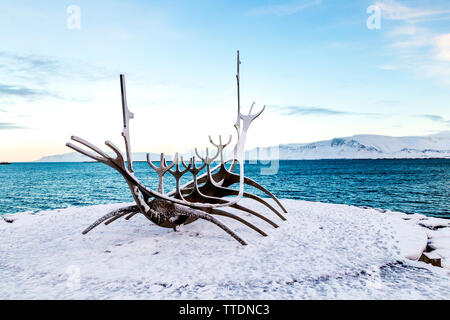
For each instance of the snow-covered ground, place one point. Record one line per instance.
(321, 251)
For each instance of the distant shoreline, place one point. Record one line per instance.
(324, 159)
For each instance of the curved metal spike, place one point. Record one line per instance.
(86, 153)
(131, 215)
(250, 117)
(90, 146)
(251, 107)
(150, 163)
(115, 218)
(256, 214)
(191, 162)
(220, 146)
(194, 166)
(111, 214)
(167, 167)
(115, 149)
(210, 160)
(200, 157)
(205, 216)
(235, 217)
(265, 203)
(178, 171)
(207, 159)
(229, 140)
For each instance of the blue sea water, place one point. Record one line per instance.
(407, 185)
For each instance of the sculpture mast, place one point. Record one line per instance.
(238, 120)
(127, 115)
(237, 125)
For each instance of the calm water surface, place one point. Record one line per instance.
(412, 186)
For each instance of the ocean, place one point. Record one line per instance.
(406, 185)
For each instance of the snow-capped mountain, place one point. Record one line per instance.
(364, 146)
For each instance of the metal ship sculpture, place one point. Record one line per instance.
(206, 196)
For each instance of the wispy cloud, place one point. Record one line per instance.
(29, 76)
(8, 126)
(410, 36)
(319, 111)
(388, 67)
(442, 47)
(27, 66)
(435, 118)
(24, 92)
(422, 50)
(25, 76)
(392, 10)
(285, 9)
(17, 91)
(307, 110)
(44, 64)
(40, 68)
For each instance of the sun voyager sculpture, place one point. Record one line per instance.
(204, 197)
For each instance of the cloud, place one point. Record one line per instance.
(432, 117)
(388, 67)
(25, 65)
(25, 76)
(318, 111)
(283, 9)
(40, 70)
(22, 91)
(442, 47)
(44, 64)
(305, 110)
(410, 36)
(392, 10)
(406, 30)
(421, 50)
(16, 90)
(31, 76)
(435, 118)
(8, 126)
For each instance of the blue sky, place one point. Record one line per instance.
(319, 69)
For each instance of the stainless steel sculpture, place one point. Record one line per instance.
(201, 198)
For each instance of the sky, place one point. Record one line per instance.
(322, 68)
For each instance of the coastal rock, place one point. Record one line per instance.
(435, 223)
(432, 258)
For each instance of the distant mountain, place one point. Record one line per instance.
(364, 146)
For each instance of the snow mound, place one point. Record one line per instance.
(322, 251)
